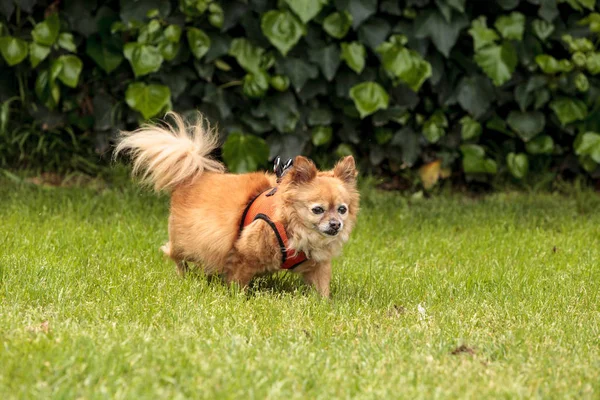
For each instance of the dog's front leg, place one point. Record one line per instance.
(319, 277)
(241, 273)
(255, 252)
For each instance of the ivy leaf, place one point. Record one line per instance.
(282, 29)
(408, 141)
(247, 55)
(499, 125)
(589, 4)
(46, 32)
(518, 164)
(256, 125)
(579, 59)
(369, 97)
(149, 33)
(106, 54)
(280, 82)
(588, 144)
(395, 113)
(47, 90)
(406, 65)
(286, 146)
(551, 65)
(593, 21)
(536, 82)
(37, 53)
(581, 82)
(361, 10)
(70, 69)
(475, 95)
(282, 111)
(443, 34)
(511, 26)
(173, 33)
(374, 32)
(199, 42)
(298, 70)
(338, 24)
(481, 34)
(508, 4)
(149, 100)
(256, 84)
(193, 8)
(391, 7)
(7, 9)
(319, 116)
(14, 50)
(475, 162)
(542, 144)
(458, 5)
(435, 127)
(526, 124)
(592, 63)
(244, 153)
(344, 150)
(527, 49)
(55, 69)
(178, 79)
(65, 41)
(470, 128)
(268, 60)
(321, 135)
(445, 9)
(306, 9)
(328, 60)
(548, 10)
(383, 135)
(498, 62)
(523, 97)
(569, 110)
(583, 45)
(217, 19)
(169, 50)
(354, 55)
(542, 29)
(143, 58)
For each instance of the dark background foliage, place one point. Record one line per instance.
(442, 87)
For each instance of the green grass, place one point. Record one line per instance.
(513, 277)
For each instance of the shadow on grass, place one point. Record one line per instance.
(277, 283)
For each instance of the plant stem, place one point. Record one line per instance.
(230, 84)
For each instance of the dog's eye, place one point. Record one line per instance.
(318, 210)
(342, 209)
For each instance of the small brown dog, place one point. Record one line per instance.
(247, 224)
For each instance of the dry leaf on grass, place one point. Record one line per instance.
(44, 327)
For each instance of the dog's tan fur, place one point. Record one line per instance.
(207, 206)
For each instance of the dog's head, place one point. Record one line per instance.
(320, 206)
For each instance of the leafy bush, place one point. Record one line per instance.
(486, 88)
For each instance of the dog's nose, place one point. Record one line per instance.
(335, 225)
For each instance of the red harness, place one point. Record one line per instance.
(263, 207)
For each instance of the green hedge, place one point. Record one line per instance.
(481, 87)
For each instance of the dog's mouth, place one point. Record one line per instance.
(331, 232)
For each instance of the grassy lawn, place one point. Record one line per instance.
(447, 297)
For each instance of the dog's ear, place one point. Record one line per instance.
(302, 171)
(345, 170)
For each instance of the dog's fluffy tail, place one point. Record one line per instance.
(166, 156)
